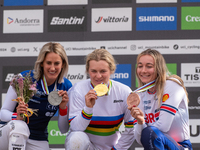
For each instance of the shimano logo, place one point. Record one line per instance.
(67, 21)
(118, 101)
(120, 76)
(112, 19)
(189, 18)
(156, 18)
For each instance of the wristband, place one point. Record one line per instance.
(14, 116)
(63, 112)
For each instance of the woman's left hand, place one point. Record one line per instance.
(65, 99)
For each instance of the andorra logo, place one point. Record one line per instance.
(9, 20)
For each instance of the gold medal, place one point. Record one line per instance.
(133, 99)
(101, 89)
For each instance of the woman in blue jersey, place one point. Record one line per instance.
(162, 118)
(95, 120)
(50, 69)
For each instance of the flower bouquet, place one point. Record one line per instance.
(25, 89)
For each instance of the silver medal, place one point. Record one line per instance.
(54, 98)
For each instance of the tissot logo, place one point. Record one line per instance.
(67, 20)
(9, 20)
(156, 18)
(190, 73)
(111, 19)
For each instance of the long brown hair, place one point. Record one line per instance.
(162, 72)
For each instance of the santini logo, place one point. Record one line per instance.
(9, 20)
(112, 19)
(71, 20)
(156, 18)
(118, 101)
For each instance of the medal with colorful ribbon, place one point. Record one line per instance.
(53, 97)
(133, 99)
(102, 89)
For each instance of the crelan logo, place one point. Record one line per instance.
(9, 20)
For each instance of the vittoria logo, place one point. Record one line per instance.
(112, 19)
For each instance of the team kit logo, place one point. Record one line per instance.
(23, 21)
(111, 19)
(67, 20)
(190, 18)
(156, 18)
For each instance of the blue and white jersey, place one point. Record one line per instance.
(171, 117)
(37, 123)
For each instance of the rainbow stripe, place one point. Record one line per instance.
(145, 87)
(168, 108)
(85, 115)
(128, 124)
(104, 126)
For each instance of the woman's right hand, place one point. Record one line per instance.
(137, 114)
(21, 109)
(90, 98)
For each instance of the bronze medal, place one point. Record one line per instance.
(133, 99)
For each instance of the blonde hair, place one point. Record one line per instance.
(48, 48)
(162, 73)
(101, 54)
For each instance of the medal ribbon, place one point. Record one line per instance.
(45, 87)
(145, 87)
(109, 86)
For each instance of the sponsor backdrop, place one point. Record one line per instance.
(123, 27)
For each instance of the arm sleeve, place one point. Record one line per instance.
(9, 105)
(127, 137)
(63, 122)
(137, 127)
(79, 114)
(172, 97)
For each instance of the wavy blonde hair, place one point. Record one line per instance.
(101, 54)
(162, 72)
(48, 48)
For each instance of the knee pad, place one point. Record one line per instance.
(19, 127)
(17, 142)
(77, 141)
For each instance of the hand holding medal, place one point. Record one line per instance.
(54, 99)
(133, 99)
